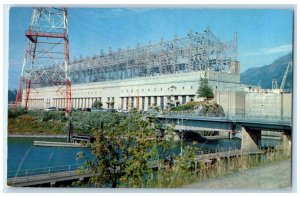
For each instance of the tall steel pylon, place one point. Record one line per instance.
(47, 56)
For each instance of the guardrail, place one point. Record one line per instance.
(40, 171)
(238, 117)
(220, 150)
(187, 113)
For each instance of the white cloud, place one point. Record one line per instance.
(269, 51)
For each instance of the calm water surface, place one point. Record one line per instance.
(22, 155)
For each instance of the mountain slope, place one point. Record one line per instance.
(265, 74)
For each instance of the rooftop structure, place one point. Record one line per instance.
(197, 51)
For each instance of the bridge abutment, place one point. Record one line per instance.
(250, 139)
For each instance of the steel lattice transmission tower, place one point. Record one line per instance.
(47, 56)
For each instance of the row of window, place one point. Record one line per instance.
(130, 102)
(36, 103)
(109, 102)
(85, 93)
(154, 89)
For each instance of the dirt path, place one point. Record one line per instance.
(271, 176)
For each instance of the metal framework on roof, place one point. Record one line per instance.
(197, 51)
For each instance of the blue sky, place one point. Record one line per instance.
(263, 34)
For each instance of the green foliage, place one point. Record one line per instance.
(204, 90)
(188, 106)
(121, 150)
(52, 115)
(97, 104)
(16, 113)
(182, 108)
(31, 124)
(154, 107)
(84, 122)
(126, 150)
(53, 122)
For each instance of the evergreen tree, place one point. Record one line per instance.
(204, 90)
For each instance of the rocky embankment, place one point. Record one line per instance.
(210, 109)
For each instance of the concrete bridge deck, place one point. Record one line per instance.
(190, 119)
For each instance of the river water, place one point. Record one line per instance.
(24, 156)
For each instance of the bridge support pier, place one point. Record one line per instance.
(250, 140)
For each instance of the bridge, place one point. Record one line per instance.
(249, 129)
(46, 176)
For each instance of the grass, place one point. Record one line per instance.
(28, 124)
(175, 176)
(218, 168)
(35, 122)
(53, 122)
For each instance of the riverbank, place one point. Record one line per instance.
(32, 124)
(275, 175)
(52, 123)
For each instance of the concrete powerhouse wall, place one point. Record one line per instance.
(236, 99)
(119, 94)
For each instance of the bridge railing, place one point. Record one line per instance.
(239, 116)
(187, 113)
(40, 171)
(263, 117)
(219, 150)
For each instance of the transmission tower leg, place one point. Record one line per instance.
(68, 97)
(18, 99)
(69, 127)
(28, 84)
(69, 109)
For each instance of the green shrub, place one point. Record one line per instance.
(187, 107)
(49, 115)
(16, 113)
(97, 104)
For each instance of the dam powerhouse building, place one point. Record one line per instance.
(162, 73)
